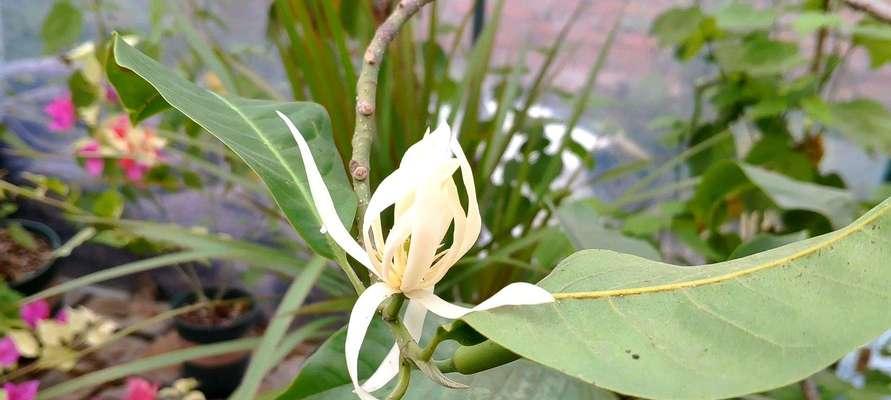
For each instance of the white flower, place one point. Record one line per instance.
(409, 259)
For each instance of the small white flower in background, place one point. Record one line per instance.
(408, 259)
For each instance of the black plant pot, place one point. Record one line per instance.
(41, 278)
(213, 334)
(217, 380)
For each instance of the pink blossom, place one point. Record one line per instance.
(134, 170)
(140, 389)
(93, 162)
(111, 95)
(9, 354)
(62, 316)
(121, 126)
(61, 113)
(24, 391)
(34, 312)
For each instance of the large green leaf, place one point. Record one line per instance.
(324, 377)
(586, 229)
(865, 121)
(520, 380)
(253, 131)
(656, 330)
(730, 178)
(326, 368)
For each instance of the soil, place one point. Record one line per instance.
(217, 315)
(17, 261)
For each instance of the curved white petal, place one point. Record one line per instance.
(474, 220)
(322, 199)
(515, 294)
(429, 151)
(360, 318)
(432, 202)
(415, 314)
(392, 189)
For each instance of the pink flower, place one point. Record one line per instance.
(93, 162)
(111, 95)
(34, 312)
(140, 389)
(61, 113)
(24, 391)
(62, 316)
(9, 354)
(134, 170)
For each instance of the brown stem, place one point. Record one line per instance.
(366, 91)
(819, 43)
(876, 8)
(809, 389)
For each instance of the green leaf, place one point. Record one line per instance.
(83, 92)
(326, 368)
(138, 97)
(875, 37)
(520, 380)
(109, 204)
(764, 242)
(252, 130)
(808, 22)
(757, 56)
(265, 354)
(729, 178)
(324, 377)
(865, 121)
(676, 25)
(742, 17)
(660, 331)
(61, 26)
(587, 230)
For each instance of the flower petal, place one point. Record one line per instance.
(360, 318)
(414, 317)
(516, 294)
(322, 199)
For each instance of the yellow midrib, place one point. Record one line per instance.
(855, 227)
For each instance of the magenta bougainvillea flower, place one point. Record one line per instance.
(23, 391)
(34, 312)
(91, 151)
(61, 113)
(140, 389)
(9, 354)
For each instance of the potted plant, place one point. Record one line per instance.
(26, 255)
(229, 314)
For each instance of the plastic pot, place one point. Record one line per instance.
(218, 377)
(217, 381)
(42, 277)
(213, 334)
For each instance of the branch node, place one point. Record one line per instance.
(365, 108)
(358, 171)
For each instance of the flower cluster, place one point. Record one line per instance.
(50, 342)
(182, 389)
(136, 148)
(412, 257)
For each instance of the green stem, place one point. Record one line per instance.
(404, 379)
(344, 264)
(668, 165)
